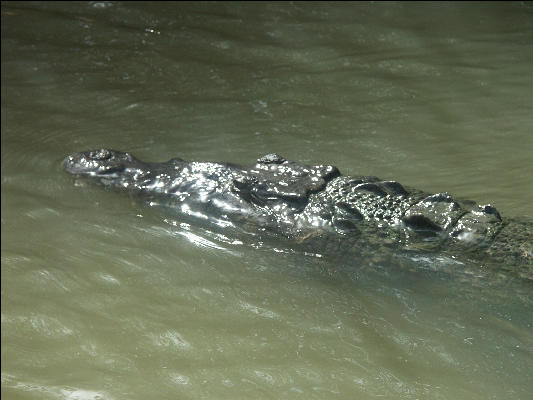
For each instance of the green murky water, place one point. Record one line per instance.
(103, 299)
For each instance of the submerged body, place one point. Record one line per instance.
(316, 205)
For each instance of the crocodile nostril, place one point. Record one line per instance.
(68, 161)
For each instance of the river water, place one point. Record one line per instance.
(103, 298)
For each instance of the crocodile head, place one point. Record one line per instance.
(97, 163)
(107, 167)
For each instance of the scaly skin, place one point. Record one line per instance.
(304, 203)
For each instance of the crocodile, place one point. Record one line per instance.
(317, 206)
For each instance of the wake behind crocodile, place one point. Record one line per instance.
(316, 211)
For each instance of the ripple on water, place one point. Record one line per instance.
(267, 377)
(109, 279)
(81, 394)
(39, 324)
(12, 382)
(263, 312)
(178, 378)
(171, 340)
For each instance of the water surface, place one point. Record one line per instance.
(105, 299)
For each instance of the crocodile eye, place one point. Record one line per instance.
(127, 157)
(102, 154)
